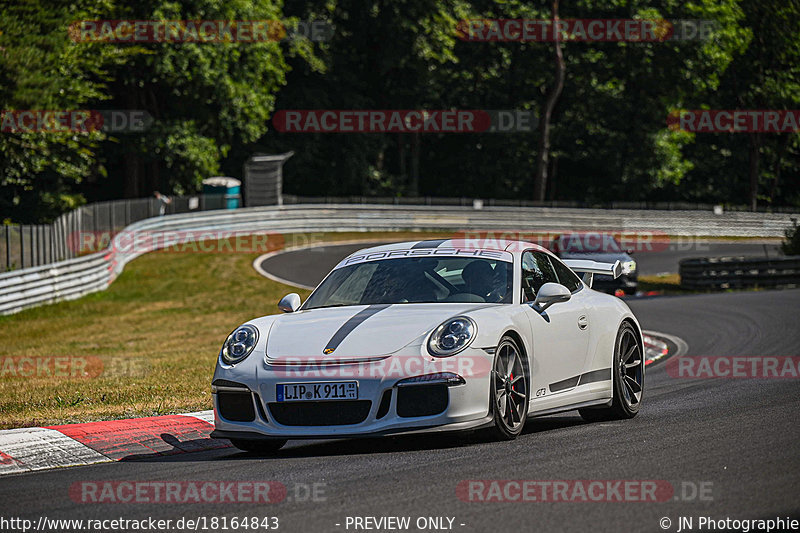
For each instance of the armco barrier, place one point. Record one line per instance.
(720, 273)
(65, 280)
(73, 278)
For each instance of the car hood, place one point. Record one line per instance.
(354, 332)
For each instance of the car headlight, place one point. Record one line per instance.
(452, 336)
(628, 267)
(239, 344)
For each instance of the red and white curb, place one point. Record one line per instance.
(30, 449)
(654, 349)
(41, 448)
(657, 346)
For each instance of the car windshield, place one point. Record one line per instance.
(586, 243)
(416, 280)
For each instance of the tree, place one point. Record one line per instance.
(543, 152)
(204, 97)
(382, 55)
(766, 75)
(41, 68)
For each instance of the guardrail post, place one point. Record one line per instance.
(72, 230)
(59, 238)
(21, 246)
(30, 241)
(38, 231)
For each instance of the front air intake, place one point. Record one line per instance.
(236, 406)
(327, 413)
(422, 400)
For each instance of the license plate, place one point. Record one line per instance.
(309, 392)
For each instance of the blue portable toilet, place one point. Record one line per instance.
(222, 192)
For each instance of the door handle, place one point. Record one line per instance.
(583, 322)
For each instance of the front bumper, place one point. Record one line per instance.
(384, 405)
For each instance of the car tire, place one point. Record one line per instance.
(260, 446)
(509, 391)
(628, 379)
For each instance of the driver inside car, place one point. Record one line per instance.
(404, 283)
(478, 278)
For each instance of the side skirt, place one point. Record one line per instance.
(571, 407)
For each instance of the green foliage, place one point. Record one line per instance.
(212, 103)
(764, 73)
(41, 68)
(204, 98)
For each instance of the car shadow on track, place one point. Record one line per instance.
(365, 446)
(410, 443)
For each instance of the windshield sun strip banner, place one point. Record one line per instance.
(498, 255)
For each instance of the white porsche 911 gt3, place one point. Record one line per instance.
(431, 336)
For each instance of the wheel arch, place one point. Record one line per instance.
(636, 327)
(526, 357)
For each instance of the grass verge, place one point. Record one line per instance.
(666, 283)
(145, 346)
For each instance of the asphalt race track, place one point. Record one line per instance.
(307, 267)
(735, 438)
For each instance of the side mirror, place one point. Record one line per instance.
(549, 294)
(289, 303)
(630, 251)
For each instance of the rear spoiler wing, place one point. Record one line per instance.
(590, 268)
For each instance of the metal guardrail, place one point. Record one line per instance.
(24, 246)
(75, 277)
(720, 273)
(65, 280)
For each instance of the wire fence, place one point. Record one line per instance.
(289, 199)
(90, 228)
(87, 229)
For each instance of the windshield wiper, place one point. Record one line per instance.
(332, 305)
